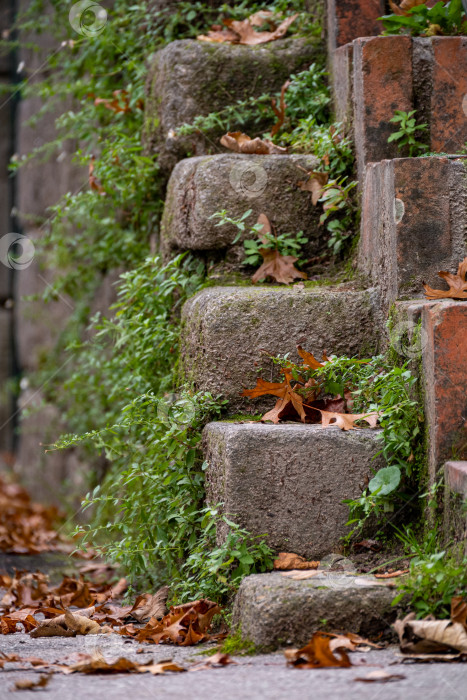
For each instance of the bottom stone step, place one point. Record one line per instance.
(288, 481)
(273, 611)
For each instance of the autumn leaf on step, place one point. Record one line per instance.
(215, 661)
(381, 676)
(286, 561)
(346, 421)
(300, 574)
(285, 393)
(27, 684)
(317, 654)
(243, 32)
(280, 267)
(457, 284)
(402, 9)
(315, 185)
(459, 610)
(242, 143)
(147, 605)
(430, 636)
(309, 360)
(67, 625)
(279, 111)
(96, 663)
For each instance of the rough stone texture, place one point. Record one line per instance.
(5, 145)
(224, 330)
(349, 19)
(382, 84)
(455, 498)
(342, 84)
(414, 223)
(6, 368)
(445, 381)
(400, 72)
(201, 186)
(288, 481)
(274, 611)
(189, 78)
(456, 476)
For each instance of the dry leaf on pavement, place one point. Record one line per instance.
(67, 625)
(147, 605)
(317, 654)
(286, 561)
(215, 661)
(430, 636)
(380, 676)
(241, 143)
(457, 284)
(26, 684)
(96, 663)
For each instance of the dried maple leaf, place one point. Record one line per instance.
(309, 360)
(457, 284)
(147, 605)
(286, 395)
(242, 143)
(346, 421)
(279, 267)
(67, 625)
(96, 663)
(317, 654)
(315, 185)
(279, 111)
(430, 636)
(243, 32)
(287, 561)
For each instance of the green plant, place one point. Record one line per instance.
(337, 198)
(435, 576)
(443, 18)
(284, 243)
(407, 133)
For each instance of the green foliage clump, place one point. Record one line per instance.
(406, 135)
(445, 18)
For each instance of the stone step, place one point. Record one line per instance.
(225, 330)
(190, 78)
(288, 481)
(414, 224)
(273, 611)
(349, 19)
(200, 187)
(455, 516)
(374, 76)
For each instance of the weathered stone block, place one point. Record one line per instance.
(342, 85)
(273, 611)
(455, 498)
(414, 224)
(445, 381)
(201, 186)
(382, 83)
(225, 330)
(190, 78)
(5, 191)
(349, 19)
(456, 476)
(287, 482)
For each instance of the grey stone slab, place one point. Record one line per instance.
(288, 481)
(274, 611)
(225, 330)
(200, 187)
(189, 78)
(6, 369)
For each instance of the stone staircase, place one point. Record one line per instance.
(288, 481)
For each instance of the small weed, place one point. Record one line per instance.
(407, 133)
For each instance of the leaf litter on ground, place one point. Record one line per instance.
(243, 31)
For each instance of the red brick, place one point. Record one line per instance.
(449, 88)
(413, 215)
(455, 474)
(445, 381)
(382, 84)
(349, 19)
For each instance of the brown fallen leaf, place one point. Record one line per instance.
(287, 561)
(284, 391)
(26, 684)
(300, 574)
(368, 545)
(459, 610)
(147, 605)
(317, 654)
(67, 625)
(457, 284)
(280, 267)
(279, 111)
(346, 421)
(315, 185)
(430, 636)
(393, 574)
(402, 9)
(309, 361)
(241, 143)
(380, 676)
(96, 663)
(215, 661)
(243, 32)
